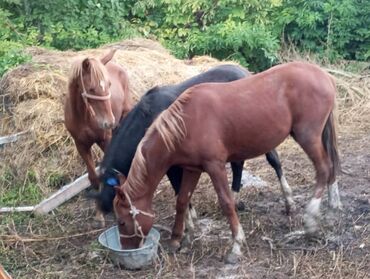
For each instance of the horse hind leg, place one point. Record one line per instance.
(315, 150)
(273, 159)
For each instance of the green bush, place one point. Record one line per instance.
(249, 31)
(11, 55)
(334, 28)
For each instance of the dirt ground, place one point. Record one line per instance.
(64, 243)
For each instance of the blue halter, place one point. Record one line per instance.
(112, 181)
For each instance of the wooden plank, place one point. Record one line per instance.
(62, 195)
(3, 273)
(17, 209)
(11, 138)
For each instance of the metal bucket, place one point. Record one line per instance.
(133, 258)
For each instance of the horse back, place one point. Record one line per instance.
(246, 112)
(121, 101)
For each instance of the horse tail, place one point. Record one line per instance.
(329, 140)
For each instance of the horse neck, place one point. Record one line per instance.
(155, 172)
(124, 143)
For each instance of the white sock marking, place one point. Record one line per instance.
(193, 213)
(189, 224)
(238, 241)
(311, 215)
(287, 191)
(334, 197)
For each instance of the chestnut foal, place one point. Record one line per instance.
(98, 97)
(202, 131)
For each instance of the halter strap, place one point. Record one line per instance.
(86, 96)
(95, 97)
(138, 232)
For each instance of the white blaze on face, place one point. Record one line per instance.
(102, 84)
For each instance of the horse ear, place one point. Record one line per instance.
(86, 64)
(108, 57)
(119, 193)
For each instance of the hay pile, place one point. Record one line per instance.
(32, 96)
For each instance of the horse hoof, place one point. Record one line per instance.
(290, 209)
(98, 224)
(174, 246)
(187, 240)
(311, 230)
(240, 206)
(232, 258)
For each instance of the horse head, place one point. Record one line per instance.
(95, 89)
(134, 220)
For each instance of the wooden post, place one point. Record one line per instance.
(11, 138)
(64, 194)
(17, 209)
(3, 273)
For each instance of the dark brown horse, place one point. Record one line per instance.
(246, 118)
(98, 97)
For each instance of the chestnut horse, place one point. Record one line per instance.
(118, 157)
(246, 118)
(98, 97)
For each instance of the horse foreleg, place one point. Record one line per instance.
(174, 174)
(218, 175)
(103, 145)
(188, 183)
(273, 159)
(85, 153)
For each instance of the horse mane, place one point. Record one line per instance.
(98, 71)
(171, 127)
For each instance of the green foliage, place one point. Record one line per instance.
(11, 55)
(71, 24)
(334, 28)
(248, 31)
(227, 29)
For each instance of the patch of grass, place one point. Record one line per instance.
(7, 257)
(18, 218)
(19, 194)
(95, 246)
(56, 180)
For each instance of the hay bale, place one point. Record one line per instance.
(32, 96)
